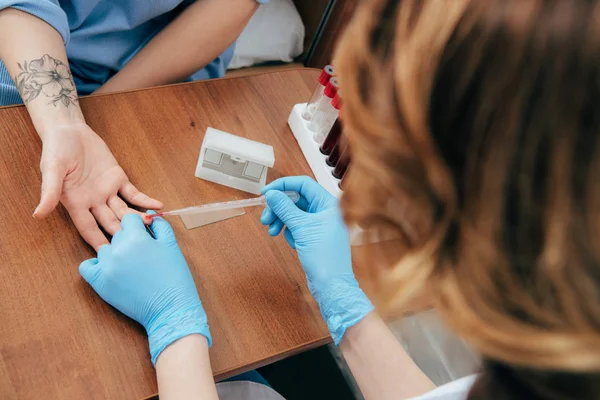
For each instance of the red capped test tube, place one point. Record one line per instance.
(342, 164)
(328, 120)
(312, 105)
(324, 105)
(336, 153)
(342, 184)
(333, 137)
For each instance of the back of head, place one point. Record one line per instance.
(482, 118)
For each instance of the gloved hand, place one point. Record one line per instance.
(314, 227)
(148, 280)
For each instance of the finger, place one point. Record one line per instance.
(302, 204)
(276, 227)
(305, 186)
(103, 252)
(120, 208)
(162, 229)
(106, 218)
(88, 228)
(133, 224)
(115, 240)
(283, 207)
(289, 238)
(90, 270)
(52, 181)
(267, 217)
(135, 197)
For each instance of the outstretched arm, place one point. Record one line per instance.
(381, 367)
(147, 279)
(34, 54)
(77, 167)
(315, 228)
(183, 370)
(200, 34)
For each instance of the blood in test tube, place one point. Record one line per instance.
(333, 137)
(328, 120)
(324, 78)
(335, 154)
(324, 105)
(342, 164)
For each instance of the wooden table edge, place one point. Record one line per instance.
(183, 83)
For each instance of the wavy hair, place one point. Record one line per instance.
(473, 126)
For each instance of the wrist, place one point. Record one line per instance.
(343, 304)
(166, 329)
(179, 350)
(62, 128)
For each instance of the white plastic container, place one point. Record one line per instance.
(234, 161)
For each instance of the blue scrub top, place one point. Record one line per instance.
(101, 36)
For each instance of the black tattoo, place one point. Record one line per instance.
(48, 76)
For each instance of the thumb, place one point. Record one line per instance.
(53, 176)
(162, 229)
(285, 209)
(90, 270)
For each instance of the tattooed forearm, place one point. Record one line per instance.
(49, 77)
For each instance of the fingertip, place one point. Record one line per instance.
(270, 186)
(157, 224)
(103, 250)
(89, 270)
(43, 209)
(272, 195)
(153, 219)
(276, 227)
(267, 216)
(36, 215)
(148, 217)
(157, 205)
(89, 262)
(277, 184)
(162, 229)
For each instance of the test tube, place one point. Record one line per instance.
(334, 157)
(323, 105)
(328, 120)
(333, 137)
(342, 164)
(324, 78)
(342, 183)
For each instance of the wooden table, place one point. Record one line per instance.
(58, 339)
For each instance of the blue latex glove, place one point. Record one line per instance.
(315, 228)
(148, 280)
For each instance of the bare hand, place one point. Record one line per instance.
(79, 170)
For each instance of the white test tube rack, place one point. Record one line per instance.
(311, 150)
(322, 171)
